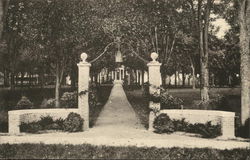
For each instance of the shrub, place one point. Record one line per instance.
(69, 99)
(217, 103)
(45, 121)
(243, 130)
(51, 103)
(60, 122)
(24, 103)
(73, 123)
(170, 102)
(206, 130)
(93, 96)
(181, 125)
(44, 103)
(32, 127)
(167, 101)
(163, 124)
(156, 98)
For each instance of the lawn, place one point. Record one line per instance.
(9, 99)
(86, 151)
(139, 102)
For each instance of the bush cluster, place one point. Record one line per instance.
(217, 103)
(48, 103)
(93, 96)
(24, 103)
(155, 97)
(73, 123)
(69, 99)
(242, 130)
(166, 100)
(170, 102)
(163, 124)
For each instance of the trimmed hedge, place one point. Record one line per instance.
(163, 124)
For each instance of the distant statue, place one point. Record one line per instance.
(118, 56)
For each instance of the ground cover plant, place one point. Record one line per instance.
(73, 123)
(163, 124)
(86, 151)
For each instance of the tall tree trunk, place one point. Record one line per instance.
(57, 87)
(244, 19)
(142, 79)
(193, 76)
(183, 79)
(203, 45)
(6, 78)
(163, 77)
(175, 78)
(22, 77)
(12, 80)
(3, 12)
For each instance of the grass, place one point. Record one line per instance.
(140, 105)
(103, 95)
(232, 95)
(86, 151)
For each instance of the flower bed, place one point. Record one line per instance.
(225, 119)
(33, 115)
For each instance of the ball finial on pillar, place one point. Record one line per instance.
(154, 56)
(84, 56)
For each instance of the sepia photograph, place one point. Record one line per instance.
(125, 79)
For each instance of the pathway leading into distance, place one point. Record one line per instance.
(118, 114)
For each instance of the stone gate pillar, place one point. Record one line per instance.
(83, 86)
(154, 79)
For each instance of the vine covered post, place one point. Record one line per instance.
(154, 80)
(83, 87)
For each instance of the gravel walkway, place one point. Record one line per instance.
(119, 126)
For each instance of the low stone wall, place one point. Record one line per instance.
(31, 115)
(226, 119)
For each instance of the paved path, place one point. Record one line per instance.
(118, 112)
(119, 126)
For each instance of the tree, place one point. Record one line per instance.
(244, 21)
(203, 23)
(3, 11)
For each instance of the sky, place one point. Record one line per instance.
(224, 27)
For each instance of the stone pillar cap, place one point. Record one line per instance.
(154, 56)
(84, 56)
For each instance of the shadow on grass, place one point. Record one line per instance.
(139, 102)
(85, 151)
(103, 93)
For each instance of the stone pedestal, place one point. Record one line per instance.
(14, 124)
(227, 126)
(83, 86)
(154, 73)
(154, 82)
